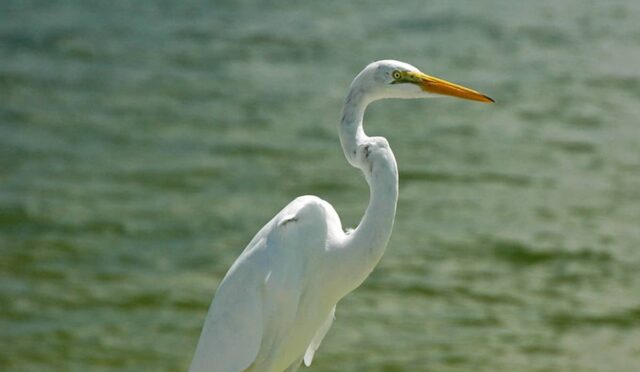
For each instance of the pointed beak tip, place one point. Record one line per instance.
(488, 99)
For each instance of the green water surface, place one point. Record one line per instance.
(142, 144)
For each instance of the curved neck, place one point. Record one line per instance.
(351, 132)
(363, 247)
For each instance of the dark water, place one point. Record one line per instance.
(143, 144)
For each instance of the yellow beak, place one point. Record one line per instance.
(438, 86)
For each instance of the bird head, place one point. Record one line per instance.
(395, 79)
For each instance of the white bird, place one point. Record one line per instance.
(277, 301)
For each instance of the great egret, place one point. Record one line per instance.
(278, 299)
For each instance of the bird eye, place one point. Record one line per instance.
(396, 75)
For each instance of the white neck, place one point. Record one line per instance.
(351, 132)
(363, 247)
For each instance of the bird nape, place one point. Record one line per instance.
(277, 301)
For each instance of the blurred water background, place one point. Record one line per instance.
(142, 144)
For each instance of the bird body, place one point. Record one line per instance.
(277, 301)
(261, 311)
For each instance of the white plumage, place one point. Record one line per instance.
(277, 301)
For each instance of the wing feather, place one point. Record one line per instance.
(232, 332)
(317, 339)
(257, 302)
